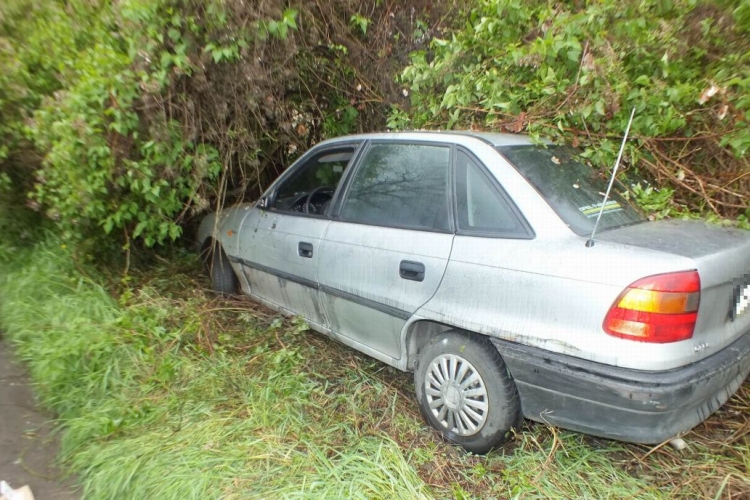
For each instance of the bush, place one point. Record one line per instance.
(105, 167)
(129, 118)
(574, 71)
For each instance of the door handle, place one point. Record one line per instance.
(305, 249)
(410, 270)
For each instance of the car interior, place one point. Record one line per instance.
(310, 190)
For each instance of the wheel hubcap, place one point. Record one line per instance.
(456, 394)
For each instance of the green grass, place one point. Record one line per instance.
(158, 399)
(163, 391)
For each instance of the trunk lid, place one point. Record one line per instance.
(722, 258)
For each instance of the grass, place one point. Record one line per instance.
(163, 391)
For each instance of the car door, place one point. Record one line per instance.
(280, 242)
(492, 283)
(385, 252)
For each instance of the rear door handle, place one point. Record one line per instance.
(410, 270)
(305, 249)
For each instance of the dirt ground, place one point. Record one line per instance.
(27, 451)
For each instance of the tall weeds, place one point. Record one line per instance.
(154, 406)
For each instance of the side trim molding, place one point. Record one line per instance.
(275, 272)
(389, 310)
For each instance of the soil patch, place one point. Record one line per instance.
(27, 447)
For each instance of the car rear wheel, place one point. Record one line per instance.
(223, 279)
(465, 391)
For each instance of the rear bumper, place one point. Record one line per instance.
(619, 403)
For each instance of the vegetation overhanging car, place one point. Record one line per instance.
(462, 257)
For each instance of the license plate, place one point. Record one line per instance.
(741, 300)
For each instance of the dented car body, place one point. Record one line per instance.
(462, 257)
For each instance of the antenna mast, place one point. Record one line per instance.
(590, 241)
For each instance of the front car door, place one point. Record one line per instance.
(385, 253)
(280, 242)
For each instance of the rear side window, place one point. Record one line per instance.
(482, 209)
(401, 185)
(573, 190)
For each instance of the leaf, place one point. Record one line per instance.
(139, 228)
(290, 18)
(175, 231)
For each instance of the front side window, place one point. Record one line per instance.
(311, 187)
(401, 185)
(482, 209)
(574, 190)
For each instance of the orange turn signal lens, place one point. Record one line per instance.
(659, 302)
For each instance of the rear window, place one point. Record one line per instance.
(574, 190)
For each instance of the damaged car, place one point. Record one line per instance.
(463, 258)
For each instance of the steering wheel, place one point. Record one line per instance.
(306, 206)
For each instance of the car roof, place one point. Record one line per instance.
(493, 138)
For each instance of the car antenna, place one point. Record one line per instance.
(590, 242)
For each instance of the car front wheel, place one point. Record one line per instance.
(223, 279)
(465, 391)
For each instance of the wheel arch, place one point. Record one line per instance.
(207, 247)
(418, 334)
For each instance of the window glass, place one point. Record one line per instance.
(481, 207)
(401, 185)
(310, 189)
(574, 190)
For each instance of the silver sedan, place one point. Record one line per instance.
(462, 257)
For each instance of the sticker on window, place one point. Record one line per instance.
(593, 209)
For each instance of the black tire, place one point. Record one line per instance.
(223, 279)
(493, 387)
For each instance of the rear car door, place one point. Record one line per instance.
(280, 247)
(385, 253)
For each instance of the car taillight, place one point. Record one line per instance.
(658, 309)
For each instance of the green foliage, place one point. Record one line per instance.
(125, 121)
(279, 29)
(574, 71)
(19, 226)
(741, 14)
(341, 122)
(360, 22)
(163, 392)
(103, 168)
(5, 182)
(655, 201)
(227, 53)
(154, 405)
